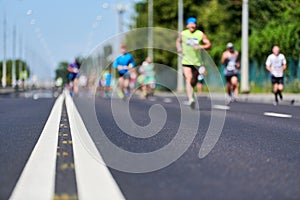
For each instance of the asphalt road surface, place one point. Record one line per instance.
(256, 156)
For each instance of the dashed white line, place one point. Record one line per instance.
(221, 107)
(167, 100)
(281, 115)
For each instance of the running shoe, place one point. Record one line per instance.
(192, 104)
(120, 94)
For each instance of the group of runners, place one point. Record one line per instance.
(189, 43)
(128, 75)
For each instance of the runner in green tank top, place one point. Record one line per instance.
(189, 43)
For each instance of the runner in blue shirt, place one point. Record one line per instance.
(124, 64)
(73, 69)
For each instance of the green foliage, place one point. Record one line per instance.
(294, 87)
(270, 22)
(275, 25)
(62, 71)
(9, 63)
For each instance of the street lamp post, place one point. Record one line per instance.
(150, 29)
(179, 67)
(121, 9)
(245, 56)
(13, 70)
(4, 53)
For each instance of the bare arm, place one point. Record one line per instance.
(223, 59)
(206, 43)
(238, 65)
(269, 68)
(178, 43)
(284, 67)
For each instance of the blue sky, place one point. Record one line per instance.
(50, 31)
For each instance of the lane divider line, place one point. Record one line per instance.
(94, 180)
(38, 177)
(273, 114)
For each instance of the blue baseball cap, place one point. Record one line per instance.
(191, 20)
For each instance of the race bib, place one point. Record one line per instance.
(192, 41)
(230, 67)
(277, 73)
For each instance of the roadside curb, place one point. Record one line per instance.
(288, 98)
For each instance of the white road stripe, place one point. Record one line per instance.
(94, 180)
(272, 114)
(38, 177)
(221, 107)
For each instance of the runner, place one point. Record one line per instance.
(58, 87)
(107, 77)
(73, 69)
(124, 64)
(230, 58)
(189, 43)
(132, 81)
(148, 73)
(276, 64)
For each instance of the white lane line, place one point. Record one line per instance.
(221, 107)
(94, 180)
(38, 177)
(167, 100)
(272, 114)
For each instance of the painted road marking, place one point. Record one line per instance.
(221, 107)
(273, 114)
(94, 180)
(65, 178)
(167, 100)
(38, 176)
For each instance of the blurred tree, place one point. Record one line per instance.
(270, 22)
(62, 71)
(21, 63)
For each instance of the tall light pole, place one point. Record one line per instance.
(245, 55)
(179, 65)
(20, 61)
(13, 70)
(150, 28)
(4, 53)
(121, 9)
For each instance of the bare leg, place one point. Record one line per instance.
(235, 86)
(126, 87)
(280, 89)
(275, 91)
(75, 86)
(187, 71)
(121, 86)
(228, 87)
(199, 88)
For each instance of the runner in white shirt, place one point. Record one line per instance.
(276, 64)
